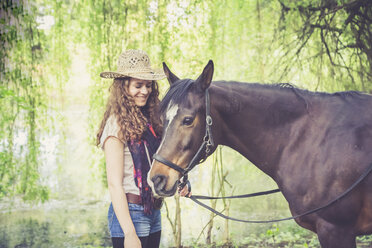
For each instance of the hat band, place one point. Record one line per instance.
(136, 70)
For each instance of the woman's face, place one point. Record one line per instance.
(140, 90)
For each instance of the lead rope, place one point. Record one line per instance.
(194, 198)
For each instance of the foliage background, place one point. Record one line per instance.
(52, 100)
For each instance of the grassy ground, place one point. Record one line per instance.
(85, 225)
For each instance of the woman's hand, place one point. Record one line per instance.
(132, 240)
(185, 191)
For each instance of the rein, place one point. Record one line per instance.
(194, 198)
(205, 146)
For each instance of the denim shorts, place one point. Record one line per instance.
(144, 224)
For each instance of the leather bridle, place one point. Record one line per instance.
(204, 147)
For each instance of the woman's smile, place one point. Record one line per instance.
(140, 90)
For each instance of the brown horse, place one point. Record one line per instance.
(314, 145)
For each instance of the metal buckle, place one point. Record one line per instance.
(209, 120)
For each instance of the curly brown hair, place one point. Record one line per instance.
(131, 119)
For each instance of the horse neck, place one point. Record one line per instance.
(254, 119)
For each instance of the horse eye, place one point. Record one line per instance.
(187, 121)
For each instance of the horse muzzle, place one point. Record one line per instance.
(159, 186)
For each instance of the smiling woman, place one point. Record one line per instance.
(129, 134)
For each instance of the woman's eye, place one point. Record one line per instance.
(187, 121)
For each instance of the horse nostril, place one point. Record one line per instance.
(159, 182)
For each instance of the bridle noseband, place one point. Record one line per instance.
(205, 146)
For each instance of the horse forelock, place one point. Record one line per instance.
(175, 94)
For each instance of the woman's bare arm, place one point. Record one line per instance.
(114, 153)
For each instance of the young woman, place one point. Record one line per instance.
(129, 135)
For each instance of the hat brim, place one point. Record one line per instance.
(149, 75)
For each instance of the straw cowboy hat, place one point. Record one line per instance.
(135, 64)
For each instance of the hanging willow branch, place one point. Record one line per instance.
(344, 30)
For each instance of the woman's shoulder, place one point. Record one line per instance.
(112, 120)
(111, 129)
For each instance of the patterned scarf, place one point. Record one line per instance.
(142, 166)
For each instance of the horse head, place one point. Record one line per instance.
(183, 113)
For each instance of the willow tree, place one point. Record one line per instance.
(25, 93)
(334, 34)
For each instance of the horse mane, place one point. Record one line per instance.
(176, 93)
(345, 94)
(302, 93)
(342, 94)
(295, 90)
(179, 89)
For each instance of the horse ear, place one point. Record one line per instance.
(170, 76)
(205, 79)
